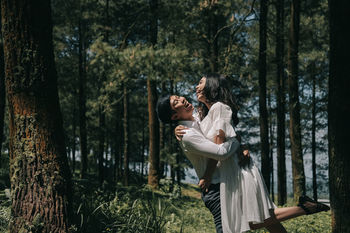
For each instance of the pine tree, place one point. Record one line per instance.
(294, 105)
(263, 116)
(38, 163)
(153, 124)
(280, 83)
(2, 95)
(82, 92)
(339, 115)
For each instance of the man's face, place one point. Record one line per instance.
(182, 108)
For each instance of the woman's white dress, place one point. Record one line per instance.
(243, 194)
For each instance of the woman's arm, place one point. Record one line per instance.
(205, 181)
(194, 141)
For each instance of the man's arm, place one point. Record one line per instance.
(194, 140)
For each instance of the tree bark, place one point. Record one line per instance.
(263, 116)
(280, 83)
(117, 142)
(39, 172)
(82, 99)
(74, 135)
(2, 95)
(271, 126)
(143, 145)
(162, 141)
(339, 115)
(294, 106)
(313, 133)
(153, 124)
(153, 174)
(102, 115)
(126, 135)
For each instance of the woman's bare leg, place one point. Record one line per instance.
(281, 214)
(277, 216)
(285, 213)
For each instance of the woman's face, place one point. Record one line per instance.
(199, 90)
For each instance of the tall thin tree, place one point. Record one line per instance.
(126, 134)
(40, 176)
(101, 110)
(339, 115)
(82, 93)
(280, 83)
(2, 94)
(263, 116)
(153, 124)
(313, 131)
(294, 105)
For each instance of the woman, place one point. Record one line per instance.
(245, 202)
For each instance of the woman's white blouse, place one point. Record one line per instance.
(219, 117)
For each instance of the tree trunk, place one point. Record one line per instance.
(313, 133)
(2, 96)
(339, 115)
(294, 106)
(126, 135)
(101, 142)
(74, 136)
(280, 83)
(153, 124)
(82, 100)
(39, 171)
(143, 145)
(162, 142)
(117, 142)
(213, 49)
(153, 174)
(271, 125)
(263, 116)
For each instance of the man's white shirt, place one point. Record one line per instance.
(198, 149)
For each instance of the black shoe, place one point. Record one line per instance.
(319, 206)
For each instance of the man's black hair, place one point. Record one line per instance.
(164, 109)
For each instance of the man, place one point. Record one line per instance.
(197, 148)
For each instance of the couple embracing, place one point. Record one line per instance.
(232, 186)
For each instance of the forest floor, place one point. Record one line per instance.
(138, 209)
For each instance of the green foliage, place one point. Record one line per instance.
(5, 209)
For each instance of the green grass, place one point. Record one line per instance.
(138, 209)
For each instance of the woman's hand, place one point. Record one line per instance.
(204, 183)
(220, 138)
(179, 132)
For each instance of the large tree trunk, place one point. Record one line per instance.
(153, 124)
(339, 115)
(82, 100)
(126, 135)
(263, 118)
(294, 106)
(40, 176)
(313, 132)
(280, 83)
